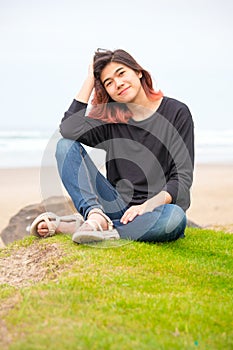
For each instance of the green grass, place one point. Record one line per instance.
(136, 296)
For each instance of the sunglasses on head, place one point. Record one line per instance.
(102, 50)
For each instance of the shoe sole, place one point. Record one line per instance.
(91, 237)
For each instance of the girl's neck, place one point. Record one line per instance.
(145, 109)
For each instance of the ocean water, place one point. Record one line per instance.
(22, 148)
(214, 146)
(34, 148)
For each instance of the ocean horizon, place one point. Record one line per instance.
(29, 148)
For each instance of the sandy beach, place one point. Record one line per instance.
(212, 194)
(19, 187)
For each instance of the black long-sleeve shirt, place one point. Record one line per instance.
(142, 157)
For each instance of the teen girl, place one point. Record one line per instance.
(149, 144)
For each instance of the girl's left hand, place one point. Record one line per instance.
(132, 212)
(161, 198)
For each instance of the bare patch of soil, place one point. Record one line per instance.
(24, 267)
(30, 265)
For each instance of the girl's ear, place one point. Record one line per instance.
(139, 75)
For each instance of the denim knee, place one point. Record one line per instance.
(169, 224)
(66, 151)
(177, 219)
(63, 147)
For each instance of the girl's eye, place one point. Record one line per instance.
(108, 84)
(122, 72)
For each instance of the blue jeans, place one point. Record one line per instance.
(89, 189)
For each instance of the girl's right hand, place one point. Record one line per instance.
(87, 87)
(91, 70)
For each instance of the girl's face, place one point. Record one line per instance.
(122, 83)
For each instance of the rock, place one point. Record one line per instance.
(190, 223)
(19, 224)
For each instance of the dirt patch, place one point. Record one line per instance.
(23, 267)
(30, 265)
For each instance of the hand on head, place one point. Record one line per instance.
(91, 69)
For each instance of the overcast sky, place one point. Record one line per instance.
(46, 47)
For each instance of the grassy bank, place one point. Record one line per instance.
(132, 296)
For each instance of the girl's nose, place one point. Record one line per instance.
(118, 82)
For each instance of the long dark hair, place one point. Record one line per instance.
(116, 112)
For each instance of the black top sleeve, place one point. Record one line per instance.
(76, 106)
(182, 153)
(75, 125)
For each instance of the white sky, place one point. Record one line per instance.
(46, 47)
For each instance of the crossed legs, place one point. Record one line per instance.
(90, 190)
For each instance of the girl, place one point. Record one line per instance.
(149, 144)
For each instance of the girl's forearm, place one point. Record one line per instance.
(161, 198)
(85, 92)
